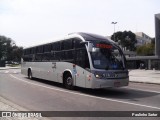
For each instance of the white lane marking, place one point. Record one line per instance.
(6, 72)
(144, 90)
(15, 72)
(66, 91)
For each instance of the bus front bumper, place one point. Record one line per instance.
(108, 83)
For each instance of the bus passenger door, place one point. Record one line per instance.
(80, 65)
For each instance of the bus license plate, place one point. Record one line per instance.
(116, 84)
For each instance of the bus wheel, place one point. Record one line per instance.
(68, 82)
(30, 74)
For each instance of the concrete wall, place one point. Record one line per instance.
(157, 34)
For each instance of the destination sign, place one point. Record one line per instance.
(103, 46)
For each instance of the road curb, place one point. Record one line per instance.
(10, 68)
(12, 107)
(7, 102)
(144, 82)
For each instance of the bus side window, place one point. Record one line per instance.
(87, 65)
(47, 48)
(33, 50)
(27, 51)
(38, 57)
(39, 49)
(56, 46)
(46, 56)
(28, 54)
(77, 43)
(82, 58)
(52, 56)
(67, 44)
(57, 56)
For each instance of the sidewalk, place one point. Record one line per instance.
(6, 105)
(7, 67)
(145, 76)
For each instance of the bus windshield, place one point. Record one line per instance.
(107, 56)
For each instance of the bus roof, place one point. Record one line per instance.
(85, 36)
(92, 37)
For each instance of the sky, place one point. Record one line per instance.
(31, 22)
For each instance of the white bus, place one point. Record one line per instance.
(80, 59)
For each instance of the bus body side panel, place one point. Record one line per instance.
(41, 70)
(44, 70)
(53, 71)
(80, 76)
(62, 67)
(88, 80)
(24, 69)
(78, 73)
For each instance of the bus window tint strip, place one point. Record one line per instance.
(57, 51)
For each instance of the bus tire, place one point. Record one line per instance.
(30, 74)
(68, 82)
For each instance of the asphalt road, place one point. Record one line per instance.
(41, 95)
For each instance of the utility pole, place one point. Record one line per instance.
(114, 23)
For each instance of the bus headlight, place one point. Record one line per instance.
(100, 75)
(97, 76)
(105, 75)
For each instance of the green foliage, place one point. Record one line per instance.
(146, 50)
(153, 41)
(8, 50)
(125, 39)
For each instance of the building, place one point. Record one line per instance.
(142, 38)
(157, 34)
(151, 62)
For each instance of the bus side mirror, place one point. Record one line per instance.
(90, 47)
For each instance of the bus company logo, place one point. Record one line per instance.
(6, 114)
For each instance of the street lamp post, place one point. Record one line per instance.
(114, 23)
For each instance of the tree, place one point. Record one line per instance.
(8, 50)
(146, 50)
(17, 53)
(5, 45)
(126, 39)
